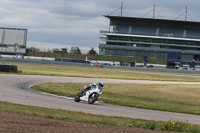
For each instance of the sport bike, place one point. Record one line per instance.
(90, 95)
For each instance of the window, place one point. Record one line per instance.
(187, 57)
(166, 47)
(146, 39)
(156, 40)
(131, 53)
(198, 43)
(168, 41)
(123, 38)
(178, 41)
(190, 42)
(143, 54)
(136, 39)
(112, 38)
(122, 52)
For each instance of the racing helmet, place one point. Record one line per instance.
(100, 83)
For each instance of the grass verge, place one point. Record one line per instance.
(92, 72)
(164, 97)
(97, 119)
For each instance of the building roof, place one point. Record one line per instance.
(114, 20)
(12, 28)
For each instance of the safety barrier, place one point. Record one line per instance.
(70, 60)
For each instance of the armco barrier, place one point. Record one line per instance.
(8, 68)
(70, 60)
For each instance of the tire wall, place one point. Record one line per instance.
(8, 68)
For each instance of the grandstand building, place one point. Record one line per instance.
(150, 37)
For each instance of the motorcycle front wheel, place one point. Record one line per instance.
(92, 98)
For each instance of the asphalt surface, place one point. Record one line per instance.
(16, 89)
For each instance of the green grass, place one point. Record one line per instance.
(92, 72)
(165, 97)
(95, 119)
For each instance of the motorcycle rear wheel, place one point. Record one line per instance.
(77, 98)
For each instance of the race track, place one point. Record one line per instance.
(16, 89)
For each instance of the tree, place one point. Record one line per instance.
(75, 50)
(92, 52)
(32, 49)
(56, 50)
(78, 51)
(64, 50)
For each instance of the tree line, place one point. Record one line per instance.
(73, 50)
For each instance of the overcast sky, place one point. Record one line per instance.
(61, 23)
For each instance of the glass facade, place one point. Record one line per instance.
(138, 54)
(102, 51)
(187, 57)
(141, 54)
(152, 42)
(152, 45)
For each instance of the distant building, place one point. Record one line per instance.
(152, 38)
(13, 41)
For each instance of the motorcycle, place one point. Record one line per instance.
(90, 95)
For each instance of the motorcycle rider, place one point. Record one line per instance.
(90, 93)
(94, 85)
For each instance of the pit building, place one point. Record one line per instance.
(150, 37)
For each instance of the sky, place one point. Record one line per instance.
(66, 23)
